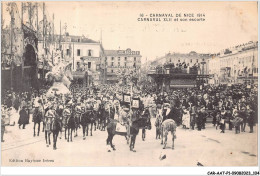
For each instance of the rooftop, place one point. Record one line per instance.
(70, 38)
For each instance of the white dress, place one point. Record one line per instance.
(186, 119)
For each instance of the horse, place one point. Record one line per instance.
(37, 118)
(137, 123)
(103, 117)
(55, 129)
(96, 114)
(168, 125)
(87, 118)
(69, 126)
(132, 130)
(77, 124)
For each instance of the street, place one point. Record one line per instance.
(208, 147)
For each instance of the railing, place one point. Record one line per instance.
(192, 70)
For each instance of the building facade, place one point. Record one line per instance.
(117, 62)
(186, 60)
(84, 54)
(236, 65)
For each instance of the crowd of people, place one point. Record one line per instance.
(191, 108)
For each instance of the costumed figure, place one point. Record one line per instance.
(60, 75)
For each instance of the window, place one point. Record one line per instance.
(89, 65)
(118, 59)
(68, 52)
(197, 60)
(119, 64)
(179, 60)
(89, 52)
(105, 58)
(112, 71)
(125, 64)
(134, 58)
(125, 58)
(112, 63)
(78, 40)
(78, 52)
(191, 61)
(112, 58)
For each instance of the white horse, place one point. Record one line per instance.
(168, 125)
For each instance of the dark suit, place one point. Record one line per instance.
(171, 115)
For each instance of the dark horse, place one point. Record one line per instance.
(132, 129)
(103, 115)
(86, 119)
(37, 118)
(70, 125)
(53, 127)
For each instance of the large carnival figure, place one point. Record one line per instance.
(60, 75)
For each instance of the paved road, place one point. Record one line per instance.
(209, 147)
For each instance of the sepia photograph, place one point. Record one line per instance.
(129, 84)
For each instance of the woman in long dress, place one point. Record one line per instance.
(186, 119)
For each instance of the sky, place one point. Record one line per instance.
(226, 24)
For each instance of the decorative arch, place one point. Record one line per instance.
(30, 56)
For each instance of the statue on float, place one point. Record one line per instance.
(60, 75)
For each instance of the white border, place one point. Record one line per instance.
(129, 170)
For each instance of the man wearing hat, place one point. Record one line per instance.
(37, 117)
(24, 117)
(243, 115)
(200, 118)
(168, 112)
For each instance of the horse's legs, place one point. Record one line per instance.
(143, 134)
(165, 140)
(161, 135)
(34, 129)
(127, 134)
(84, 131)
(132, 143)
(108, 138)
(173, 133)
(87, 129)
(46, 138)
(68, 139)
(60, 131)
(76, 130)
(71, 134)
(49, 135)
(39, 126)
(43, 126)
(91, 125)
(56, 137)
(65, 133)
(134, 138)
(111, 143)
(54, 140)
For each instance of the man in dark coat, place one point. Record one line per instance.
(251, 119)
(200, 119)
(168, 113)
(243, 115)
(24, 118)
